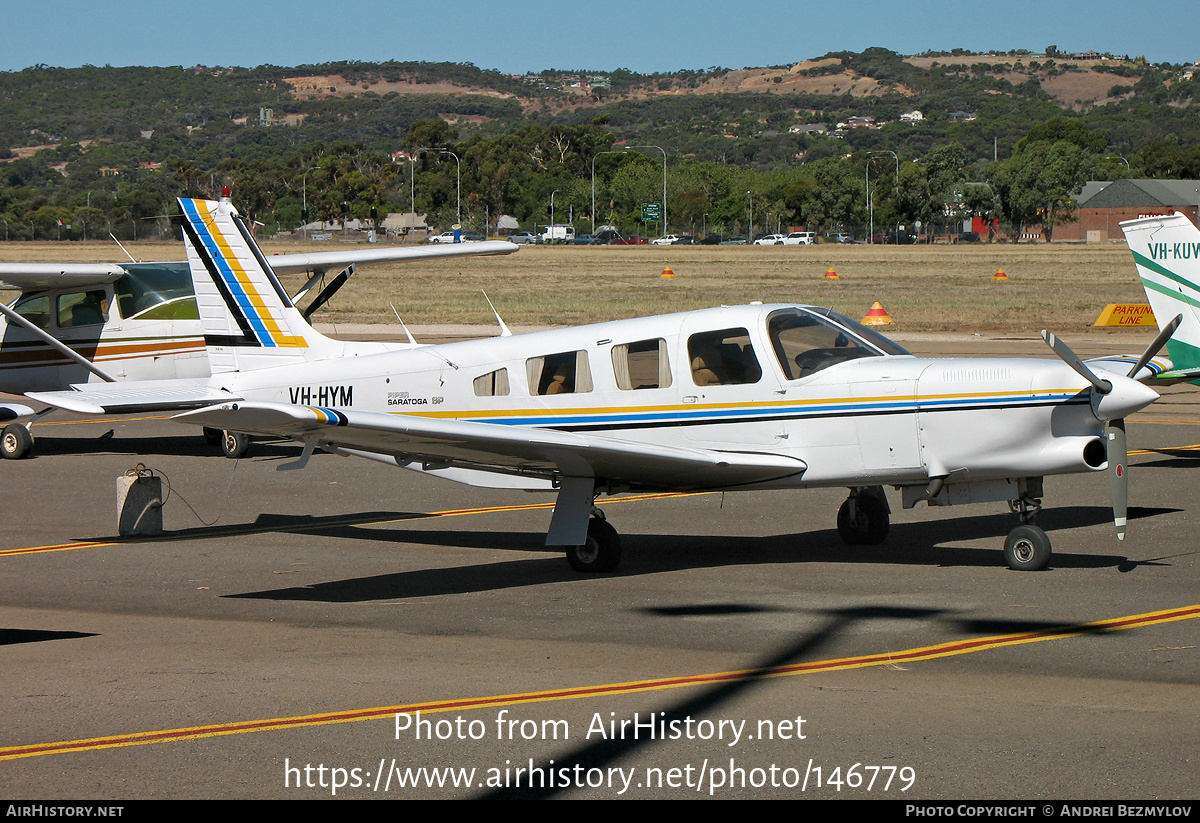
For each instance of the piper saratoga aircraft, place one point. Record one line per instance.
(114, 322)
(732, 398)
(1166, 251)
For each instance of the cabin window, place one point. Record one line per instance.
(642, 365)
(561, 373)
(84, 308)
(805, 344)
(35, 309)
(492, 384)
(723, 358)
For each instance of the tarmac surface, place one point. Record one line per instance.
(265, 644)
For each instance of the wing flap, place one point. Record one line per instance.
(439, 443)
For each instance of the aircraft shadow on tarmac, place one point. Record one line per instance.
(181, 445)
(705, 703)
(12, 637)
(912, 544)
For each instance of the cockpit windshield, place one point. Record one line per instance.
(806, 341)
(150, 285)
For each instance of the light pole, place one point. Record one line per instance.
(664, 200)
(458, 186)
(551, 227)
(304, 199)
(870, 204)
(594, 156)
(750, 230)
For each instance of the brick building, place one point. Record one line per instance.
(1102, 205)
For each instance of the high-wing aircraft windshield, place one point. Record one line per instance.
(805, 342)
(146, 287)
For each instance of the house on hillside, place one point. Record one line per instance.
(1103, 205)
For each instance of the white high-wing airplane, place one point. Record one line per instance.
(1166, 251)
(732, 398)
(116, 322)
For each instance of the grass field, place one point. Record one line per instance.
(923, 288)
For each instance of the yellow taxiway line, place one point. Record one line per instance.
(948, 649)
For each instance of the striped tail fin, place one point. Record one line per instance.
(1166, 251)
(248, 320)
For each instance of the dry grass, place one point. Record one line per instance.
(924, 288)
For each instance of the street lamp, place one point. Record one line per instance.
(664, 200)
(870, 204)
(750, 231)
(594, 156)
(458, 185)
(551, 227)
(304, 199)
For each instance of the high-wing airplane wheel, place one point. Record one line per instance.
(235, 444)
(863, 520)
(1027, 549)
(15, 442)
(602, 551)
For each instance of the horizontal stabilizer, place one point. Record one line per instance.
(491, 447)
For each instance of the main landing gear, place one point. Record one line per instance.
(601, 552)
(864, 519)
(1027, 548)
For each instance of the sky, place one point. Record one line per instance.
(514, 37)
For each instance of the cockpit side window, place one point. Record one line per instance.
(723, 358)
(805, 344)
(146, 285)
(35, 309)
(84, 308)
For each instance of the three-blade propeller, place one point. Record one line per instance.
(1103, 401)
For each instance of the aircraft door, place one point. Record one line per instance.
(889, 437)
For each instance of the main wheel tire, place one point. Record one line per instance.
(1027, 549)
(235, 444)
(868, 525)
(15, 442)
(600, 553)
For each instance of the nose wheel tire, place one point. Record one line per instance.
(15, 442)
(600, 553)
(1027, 549)
(863, 520)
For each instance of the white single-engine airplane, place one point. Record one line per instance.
(1166, 251)
(745, 397)
(116, 322)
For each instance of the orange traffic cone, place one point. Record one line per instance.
(831, 274)
(877, 316)
(666, 272)
(1000, 275)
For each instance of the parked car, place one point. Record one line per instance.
(841, 237)
(666, 240)
(800, 238)
(968, 237)
(769, 240)
(686, 240)
(524, 238)
(734, 241)
(582, 240)
(631, 240)
(448, 237)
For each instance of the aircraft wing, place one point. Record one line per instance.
(134, 397)
(324, 261)
(1155, 371)
(38, 276)
(491, 447)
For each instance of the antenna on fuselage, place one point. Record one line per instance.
(504, 330)
(132, 259)
(407, 333)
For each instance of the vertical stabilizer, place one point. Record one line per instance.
(1166, 251)
(248, 320)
